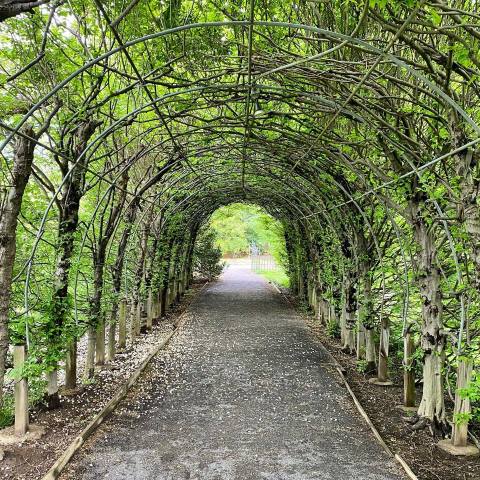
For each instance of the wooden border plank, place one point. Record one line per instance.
(119, 395)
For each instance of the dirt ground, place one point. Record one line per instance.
(419, 448)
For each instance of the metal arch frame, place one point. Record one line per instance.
(279, 165)
(96, 140)
(350, 39)
(377, 247)
(445, 97)
(379, 255)
(361, 211)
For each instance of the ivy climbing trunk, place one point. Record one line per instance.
(96, 329)
(10, 209)
(366, 318)
(73, 172)
(432, 405)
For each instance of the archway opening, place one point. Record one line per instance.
(247, 235)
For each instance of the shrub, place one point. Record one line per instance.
(362, 366)
(7, 412)
(333, 329)
(207, 256)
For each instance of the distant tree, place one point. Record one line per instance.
(239, 225)
(207, 256)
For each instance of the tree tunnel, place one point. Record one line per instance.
(355, 124)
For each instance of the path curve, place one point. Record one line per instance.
(244, 392)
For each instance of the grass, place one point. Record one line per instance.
(7, 411)
(276, 276)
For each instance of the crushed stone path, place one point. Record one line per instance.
(245, 391)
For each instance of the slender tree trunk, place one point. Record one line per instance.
(117, 269)
(97, 316)
(22, 166)
(71, 366)
(409, 392)
(140, 272)
(467, 165)
(150, 266)
(350, 311)
(90, 358)
(360, 347)
(383, 350)
(112, 331)
(96, 329)
(370, 352)
(68, 223)
(366, 318)
(469, 214)
(462, 404)
(100, 341)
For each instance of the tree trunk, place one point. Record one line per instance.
(366, 323)
(432, 405)
(409, 392)
(370, 353)
(97, 316)
(111, 335)
(462, 405)
(140, 271)
(96, 328)
(90, 359)
(122, 324)
(383, 350)
(150, 310)
(71, 366)
(350, 311)
(22, 166)
(360, 347)
(466, 165)
(133, 320)
(100, 343)
(68, 223)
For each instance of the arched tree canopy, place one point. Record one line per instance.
(355, 123)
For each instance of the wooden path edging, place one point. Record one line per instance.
(341, 371)
(375, 432)
(120, 394)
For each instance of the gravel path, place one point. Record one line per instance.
(244, 392)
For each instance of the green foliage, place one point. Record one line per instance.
(238, 226)
(333, 329)
(207, 256)
(462, 418)
(362, 366)
(36, 394)
(7, 411)
(472, 392)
